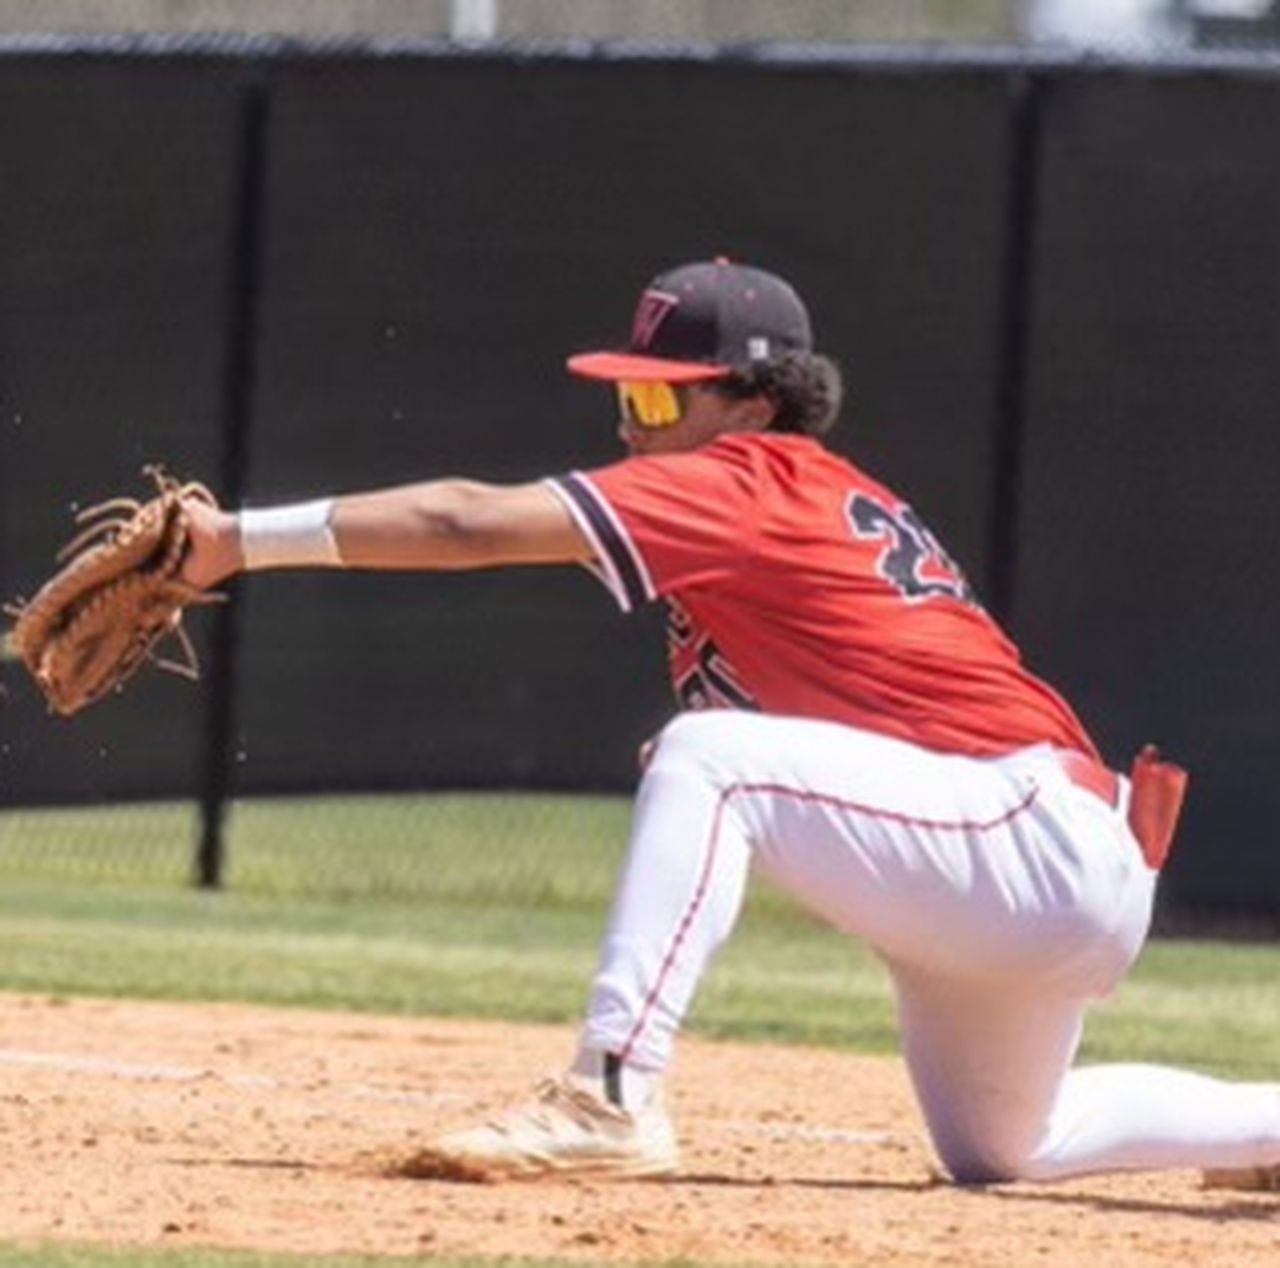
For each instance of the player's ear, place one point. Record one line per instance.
(745, 407)
(757, 412)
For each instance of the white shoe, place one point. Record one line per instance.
(1252, 1179)
(567, 1129)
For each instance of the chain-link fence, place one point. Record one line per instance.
(399, 297)
(498, 849)
(545, 849)
(120, 843)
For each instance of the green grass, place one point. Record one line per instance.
(483, 907)
(492, 907)
(545, 851)
(788, 981)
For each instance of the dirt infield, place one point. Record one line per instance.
(219, 1125)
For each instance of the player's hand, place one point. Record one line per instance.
(214, 553)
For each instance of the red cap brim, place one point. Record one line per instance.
(619, 366)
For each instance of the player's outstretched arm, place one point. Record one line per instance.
(438, 525)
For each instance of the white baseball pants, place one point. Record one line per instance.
(1001, 896)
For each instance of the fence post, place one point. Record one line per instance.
(239, 375)
(1017, 302)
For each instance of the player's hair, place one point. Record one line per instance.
(805, 388)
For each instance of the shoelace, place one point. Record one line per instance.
(553, 1098)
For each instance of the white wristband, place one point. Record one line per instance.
(295, 536)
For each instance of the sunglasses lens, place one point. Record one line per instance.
(649, 404)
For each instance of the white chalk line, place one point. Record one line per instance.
(70, 1064)
(104, 1067)
(805, 1131)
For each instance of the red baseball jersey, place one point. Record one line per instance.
(798, 585)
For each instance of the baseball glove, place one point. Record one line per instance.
(118, 594)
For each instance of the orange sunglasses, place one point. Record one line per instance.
(649, 404)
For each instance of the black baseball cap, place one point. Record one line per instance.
(703, 321)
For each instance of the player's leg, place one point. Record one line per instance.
(941, 862)
(882, 838)
(721, 789)
(1149, 1118)
(963, 871)
(991, 1066)
(677, 900)
(953, 866)
(1002, 924)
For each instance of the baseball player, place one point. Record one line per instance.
(854, 727)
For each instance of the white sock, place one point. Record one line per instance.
(619, 1082)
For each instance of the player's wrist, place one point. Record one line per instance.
(297, 535)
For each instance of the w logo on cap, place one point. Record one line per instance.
(652, 310)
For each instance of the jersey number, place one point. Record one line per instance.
(913, 561)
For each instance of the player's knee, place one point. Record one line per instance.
(989, 1161)
(976, 1170)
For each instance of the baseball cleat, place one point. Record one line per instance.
(565, 1130)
